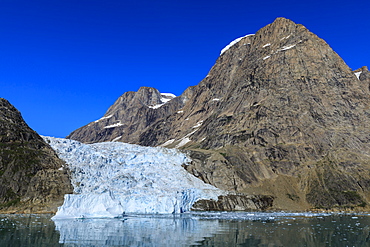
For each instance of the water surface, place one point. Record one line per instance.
(193, 229)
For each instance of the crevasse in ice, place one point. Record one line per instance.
(112, 178)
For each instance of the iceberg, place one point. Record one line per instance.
(113, 178)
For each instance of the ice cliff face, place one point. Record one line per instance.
(112, 178)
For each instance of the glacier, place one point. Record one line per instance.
(113, 178)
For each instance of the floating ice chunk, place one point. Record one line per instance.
(233, 43)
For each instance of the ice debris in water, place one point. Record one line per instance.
(113, 178)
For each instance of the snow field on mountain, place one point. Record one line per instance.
(233, 43)
(113, 178)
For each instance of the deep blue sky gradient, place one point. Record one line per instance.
(63, 62)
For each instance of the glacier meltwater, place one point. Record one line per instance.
(114, 178)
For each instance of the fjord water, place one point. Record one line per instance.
(191, 229)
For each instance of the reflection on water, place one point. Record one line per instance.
(200, 229)
(136, 231)
(28, 230)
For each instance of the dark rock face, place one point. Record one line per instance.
(280, 114)
(32, 177)
(235, 203)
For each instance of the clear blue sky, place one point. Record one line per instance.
(64, 62)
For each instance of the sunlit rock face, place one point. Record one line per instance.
(130, 115)
(280, 113)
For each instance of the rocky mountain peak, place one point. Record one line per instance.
(148, 96)
(131, 113)
(279, 107)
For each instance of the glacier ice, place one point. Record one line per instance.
(113, 178)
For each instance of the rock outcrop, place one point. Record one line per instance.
(235, 203)
(280, 114)
(363, 74)
(131, 114)
(32, 177)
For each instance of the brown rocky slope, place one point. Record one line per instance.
(32, 177)
(280, 113)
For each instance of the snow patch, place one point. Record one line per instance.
(103, 118)
(233, 43)
(165, 98)
(169, 95)
(180, 112)
(113, 125)
(285, 37)
(167, 143)
(116, 139)
(284, 48)
(216, 99)
(156, 106)
(183, 142)
(357, 74)
(112, 178)
(268, 44)
(266, 57)
(198, 124)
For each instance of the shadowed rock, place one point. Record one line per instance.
(32, 177)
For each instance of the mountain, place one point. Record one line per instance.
(280, 114)
(112, 178)
(32, 177)
(130, 115)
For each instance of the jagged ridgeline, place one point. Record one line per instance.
(32, 177)
(280, 113)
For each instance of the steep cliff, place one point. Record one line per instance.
(280, 113)
(32, 177)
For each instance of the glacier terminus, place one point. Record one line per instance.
(113, 178)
